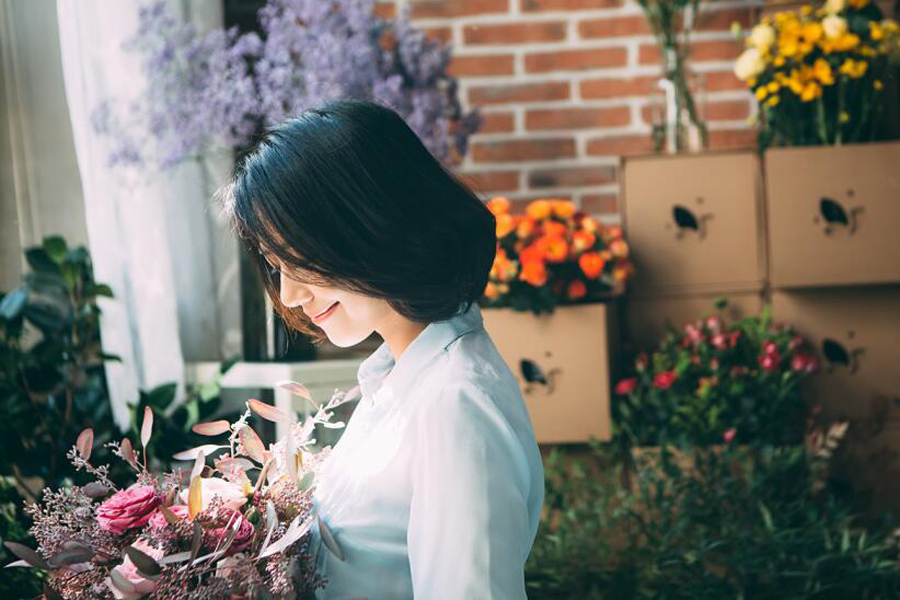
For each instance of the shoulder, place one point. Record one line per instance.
(472, 390)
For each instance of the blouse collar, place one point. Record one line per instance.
(373, 372)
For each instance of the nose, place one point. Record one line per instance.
(294, 294)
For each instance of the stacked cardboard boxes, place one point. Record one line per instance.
(815, 231)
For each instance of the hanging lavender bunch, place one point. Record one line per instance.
(217, 88)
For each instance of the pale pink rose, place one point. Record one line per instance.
(128, 508)
(232, 494)
(728, 436)
(142, 585)
(158, 521)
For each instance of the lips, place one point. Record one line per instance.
(319, 316)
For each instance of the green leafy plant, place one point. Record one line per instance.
(717, 382)
(734, 524)
(52, 382)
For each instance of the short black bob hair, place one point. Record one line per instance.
(347, 196)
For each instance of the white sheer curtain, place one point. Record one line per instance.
(125, 216)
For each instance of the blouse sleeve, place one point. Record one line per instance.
(468, 533)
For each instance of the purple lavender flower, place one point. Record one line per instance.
(217, 88)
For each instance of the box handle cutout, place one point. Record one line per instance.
(534, 376)
(686, 221)
(835, 216)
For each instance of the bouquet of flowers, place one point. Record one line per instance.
(715, 382)
(553, 254)
(236, 529)
(818, 73)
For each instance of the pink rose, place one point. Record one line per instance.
(664, 381)
(158, 520)
(694, 333)
(728, 436)
(140, 584)
(242, 538)
(720, 341)
(770, 362)
(713, 323)
(804, 363)
(626, 386)
(128, 508)
(770, 347)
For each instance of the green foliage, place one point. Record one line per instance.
(52, 382)
(714, 377)
(173, 421)
(707, 524)
(14, 524)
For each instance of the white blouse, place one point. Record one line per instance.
(435, 488)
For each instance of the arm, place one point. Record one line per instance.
(468, 523)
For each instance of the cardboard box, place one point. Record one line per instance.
(572, 348)
(833, 215)
(694, 222)
(856, 333)
(649, 318)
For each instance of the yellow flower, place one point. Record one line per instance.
(878, 85)
(854, 68)
(779, 61)
(505, 224)
(773, 101)
(847, 41)
(811, 91)
(761, 93)
(773, 87)
(844, 117)
(823, 72)
(875, 31)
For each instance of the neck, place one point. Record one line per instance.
(399, 332)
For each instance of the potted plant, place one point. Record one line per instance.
(821, 76)
(716, 383)
(551, 289)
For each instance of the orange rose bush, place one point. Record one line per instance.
(553, 254)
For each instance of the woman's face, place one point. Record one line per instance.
(346, 318)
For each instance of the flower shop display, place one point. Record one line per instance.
(717, 381)
(833, 214)
(553, 254)
(695, 222)
(239, 528)
(550, 307)
(216, 89)
(678, 124)
(818, 73)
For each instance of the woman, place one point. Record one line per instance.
(435, 488)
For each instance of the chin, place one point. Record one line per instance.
(346, 340)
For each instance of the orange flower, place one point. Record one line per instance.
(555, 248)
(622, 271)
(534, 273)
(591, 264)
(589, 224)
(619, 248)
(563, 208)
(583, 240)
(505, 224)
(532, 253)
(539, 209)
(525, 227)
(503, 269)
(577, 289)
(498, 205)
(554, 229)
(491, 291)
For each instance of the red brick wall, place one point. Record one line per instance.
(563, 86)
